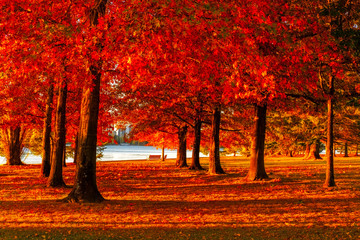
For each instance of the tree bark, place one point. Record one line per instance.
(346, 150)
(181, 158)
(13, 145)
(46, 144)
(314, 153)
(330, 178)
(85, 187)
(356, 150)
(64, 155)
(290, 153)
(307, 151)
(214, 158)
(257, 164)
(195, 162)
(163, 153)
(76, 147)
(55, 177)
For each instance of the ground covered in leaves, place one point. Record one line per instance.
(155, 200)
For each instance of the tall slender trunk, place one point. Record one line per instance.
(181, 158)
(346, 149)
(330, 178)
(55, 177)
(46, 144)
(195, 163)
(214, 158)
(85, 187)
(13, 138)
(64, 155)
(76, 147)
(257, 163)
(163, 152)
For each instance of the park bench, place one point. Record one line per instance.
(155, 157)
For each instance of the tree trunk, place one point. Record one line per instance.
(55, 177)
(257, 164)
(330, 179)
(195, 163)
(315, 151)
(13, 145)
(76, 147)
(346, 150)
(163, 152)
(64, 155)
(46, 144)
(181, 158)
(356, 150)
(214, 158)
(85, 187)
(307, 151)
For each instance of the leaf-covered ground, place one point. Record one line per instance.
(155, 200)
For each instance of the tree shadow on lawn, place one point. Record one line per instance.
(208, 182)
(212, 219)
(169, 233)
(268, 206)
(6, 174)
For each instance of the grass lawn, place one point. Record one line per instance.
(155, 200)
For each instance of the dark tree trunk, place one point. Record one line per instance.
(76, 147)
(290, 154)
(330, 178)
(214, 158)
(163, 153)
(55, 177)
(181, 158)
(257, 164)
(315, 151)
(46, 144)
(85, 187)
(195, 163)
(346, 150)
(13, 145)
(64, 155)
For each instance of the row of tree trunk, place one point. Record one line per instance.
(257, 166)
(85, 186)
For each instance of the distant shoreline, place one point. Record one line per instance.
(116, 153)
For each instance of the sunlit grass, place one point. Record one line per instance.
(155, 200)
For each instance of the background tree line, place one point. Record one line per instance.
(184, 74)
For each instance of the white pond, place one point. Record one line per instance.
(114, 153)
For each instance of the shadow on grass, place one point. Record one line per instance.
(290, 233)
(251, 206)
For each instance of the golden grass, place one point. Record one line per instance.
(155, 200)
